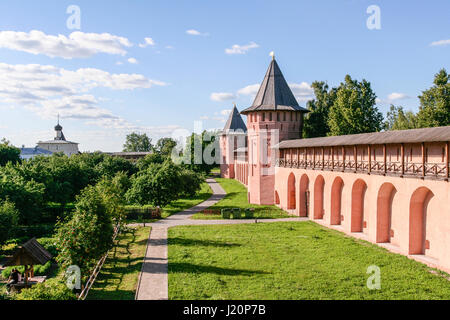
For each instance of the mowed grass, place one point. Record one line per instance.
(182, 204)
(119, 275)
(290, 260)
(237, 198)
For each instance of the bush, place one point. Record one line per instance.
(50, 245)
(53, 289)
(144, 212)
(39, 270)
(36, 231)
(9, 218)
(88, 234)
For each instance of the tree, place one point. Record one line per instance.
(158, 185)
(316, 121)
(164, 146)
(87, 236)
(354, 109)
(434, 107)
(27, 196)
(143, 163)
(8, 153)
(136, 142)
(9, 219)
(200, 152)
(397, 119)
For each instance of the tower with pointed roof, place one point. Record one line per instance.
(233, 137)
(274, 116)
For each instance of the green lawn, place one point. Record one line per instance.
(119, 275)
(289, 260)
(181, 204)
(237, 198)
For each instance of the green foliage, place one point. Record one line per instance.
(397, 119)
(136, 142)
(434, 107)
(28, 196)
(201, 152)
(354, 109)
(160, 184)
(164, 146)
(190, 182)
(8, 153)
(156, 158)
(88, 234)
(9, 219)
(53, 289)
(39, 270)
(316, 121)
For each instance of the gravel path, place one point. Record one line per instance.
(153, 279)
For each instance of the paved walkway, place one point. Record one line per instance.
(153, 280)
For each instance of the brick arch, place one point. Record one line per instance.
(319, 185)
(291, 199)
(358, 192)
(304, 196)
(277, 198)
(418, 219)
(336, 201)
(385, 199)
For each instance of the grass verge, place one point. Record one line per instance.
(237, 198)
(119, 275)
(182, 204)
(289, 260)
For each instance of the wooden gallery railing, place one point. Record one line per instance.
(398, 168)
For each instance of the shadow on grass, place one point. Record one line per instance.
(205, 243)
(183, 267)
(111, 295)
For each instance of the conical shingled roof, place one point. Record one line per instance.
(235, 121)
(274, 93)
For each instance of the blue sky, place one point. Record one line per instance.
(202, 57)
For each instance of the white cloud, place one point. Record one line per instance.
(132, 61)
(225, 112)
(392, 97)
(250, 90)
(440, 43)
(194, 32)
(48, 90)
(76, 45)
(302, 91)
(397, 96)
(222, 96)
(147, 42)
(119, 63)
(238, 49)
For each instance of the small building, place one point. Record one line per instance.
(30, 153)
(59, 143)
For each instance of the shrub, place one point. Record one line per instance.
(88, 234)
(53, 289)
(9, 218)
(39, 270)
